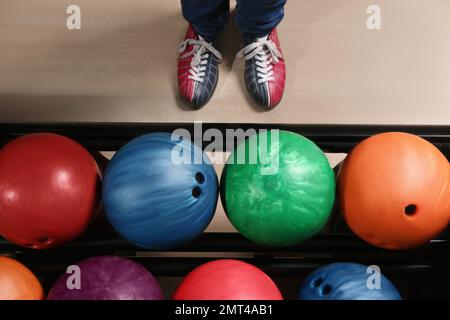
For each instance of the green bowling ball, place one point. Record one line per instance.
(278, 188)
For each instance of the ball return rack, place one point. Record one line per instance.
(422, 273)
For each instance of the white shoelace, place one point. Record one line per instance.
(201, 52)
(266, 53)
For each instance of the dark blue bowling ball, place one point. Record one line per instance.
(346, 281)
(160, 191)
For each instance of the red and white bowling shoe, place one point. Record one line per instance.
(198, 69)
(265, 69)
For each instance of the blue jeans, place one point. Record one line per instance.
(254, 18)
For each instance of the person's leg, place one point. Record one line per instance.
(207, 17)
(265, 69)
(258, 18)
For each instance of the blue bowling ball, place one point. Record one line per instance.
(160, 191)
(346, 281)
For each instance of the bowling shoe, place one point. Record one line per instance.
(265, 69)
(198, 70)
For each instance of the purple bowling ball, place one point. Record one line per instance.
(108, 278)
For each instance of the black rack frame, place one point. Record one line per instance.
(330, 137)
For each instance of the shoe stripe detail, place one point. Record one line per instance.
(267, 94)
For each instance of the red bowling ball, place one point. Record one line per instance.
(49, 190)
(227, 280)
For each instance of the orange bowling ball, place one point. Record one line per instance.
(394, 191)
(17, 282)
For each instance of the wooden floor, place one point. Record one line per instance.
(121, 65)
